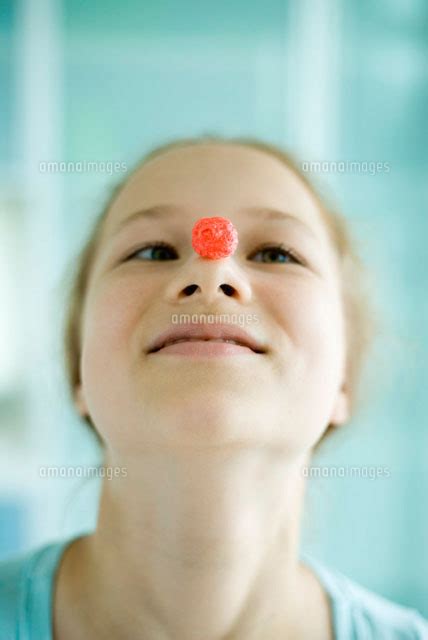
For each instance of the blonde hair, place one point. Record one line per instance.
(359, 317)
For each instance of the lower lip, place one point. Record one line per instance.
(205, 348)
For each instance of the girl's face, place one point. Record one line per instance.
(282, 398)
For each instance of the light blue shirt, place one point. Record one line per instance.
(26, 588)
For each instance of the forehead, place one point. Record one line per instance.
(215, 179)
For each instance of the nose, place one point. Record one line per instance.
(209, 280)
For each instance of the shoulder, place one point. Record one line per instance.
(10, 579)
(25, 581)
(363, 614)
(384, 618)
(13, 572)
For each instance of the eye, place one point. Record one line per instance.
(274, 250)
(164, 250)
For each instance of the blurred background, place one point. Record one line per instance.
(332, 82)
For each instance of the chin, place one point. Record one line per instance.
(210, 420)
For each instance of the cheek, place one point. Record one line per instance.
(310, 315)
(114, 311)
(311, 362)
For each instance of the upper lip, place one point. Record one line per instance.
(194, 330)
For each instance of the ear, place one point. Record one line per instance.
(341, 408)
(80, 402)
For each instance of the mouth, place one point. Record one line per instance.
(205, 348)
(191, 339)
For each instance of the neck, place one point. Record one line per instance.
(198, 545)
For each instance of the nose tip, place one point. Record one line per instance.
(209, 280)
(227, 289)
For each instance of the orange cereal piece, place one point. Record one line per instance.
(214, 237)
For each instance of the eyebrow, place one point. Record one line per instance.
(169, 210)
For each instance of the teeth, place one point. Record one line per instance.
(201, 339)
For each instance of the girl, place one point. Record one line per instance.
(198, 530)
